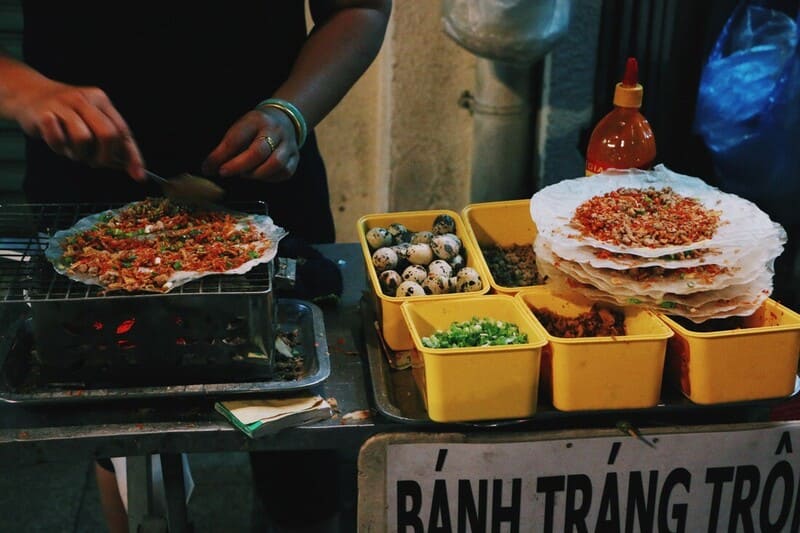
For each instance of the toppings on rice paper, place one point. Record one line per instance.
(156, 245)
(645, 217)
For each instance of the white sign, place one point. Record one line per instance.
(744, 480)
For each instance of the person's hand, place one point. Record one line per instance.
(261, 145)
(80, 123)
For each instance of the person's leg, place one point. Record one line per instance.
(113, 509)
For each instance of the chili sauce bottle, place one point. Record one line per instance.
(623, 138)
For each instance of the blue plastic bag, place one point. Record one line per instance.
(748, 108)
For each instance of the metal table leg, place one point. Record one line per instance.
(145, 515)
(172, 467)
(140, 496)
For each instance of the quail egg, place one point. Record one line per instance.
(436, 284)
(456, 237)
(457, 263)
(390, 280)
(378, 238)
(399, 232)
(468, 280)
(410, 288)
(384, 259)
(440, 267)
(401, 250)
(402, 255)
(443, 223)
(415, 273)
(422, 237)
(445, 246)
(420, 254)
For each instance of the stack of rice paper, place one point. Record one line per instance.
(657, 239)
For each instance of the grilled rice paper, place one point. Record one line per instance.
(156, 245)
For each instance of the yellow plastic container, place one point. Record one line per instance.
(755, 362)
(393, 327)
(501, 224)
(593, 373)
(481, 383)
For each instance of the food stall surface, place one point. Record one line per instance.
(46, 450)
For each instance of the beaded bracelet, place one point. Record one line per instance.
(292, 112)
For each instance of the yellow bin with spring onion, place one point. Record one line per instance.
(476, 383)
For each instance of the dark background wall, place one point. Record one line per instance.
(12, 150)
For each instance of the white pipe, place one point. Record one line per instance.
(501, 131)
(507, 36)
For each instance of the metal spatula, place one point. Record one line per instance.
(188, 187)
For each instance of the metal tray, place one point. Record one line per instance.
(398, 398)
(18, 383)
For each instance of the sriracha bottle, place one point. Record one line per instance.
(623, 138)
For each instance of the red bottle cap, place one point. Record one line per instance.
(631, 77)
(629, 92)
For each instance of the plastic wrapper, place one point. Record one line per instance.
(748, 107)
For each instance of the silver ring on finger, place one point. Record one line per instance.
(270, 141)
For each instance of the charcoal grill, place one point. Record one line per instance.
(216, 329)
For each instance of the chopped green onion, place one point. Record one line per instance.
(476, 332)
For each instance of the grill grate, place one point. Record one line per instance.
(26, 274)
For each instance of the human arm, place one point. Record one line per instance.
(78, 122)
(347, 36)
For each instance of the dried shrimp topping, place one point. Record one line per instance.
(599, 321)
(649, 217)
